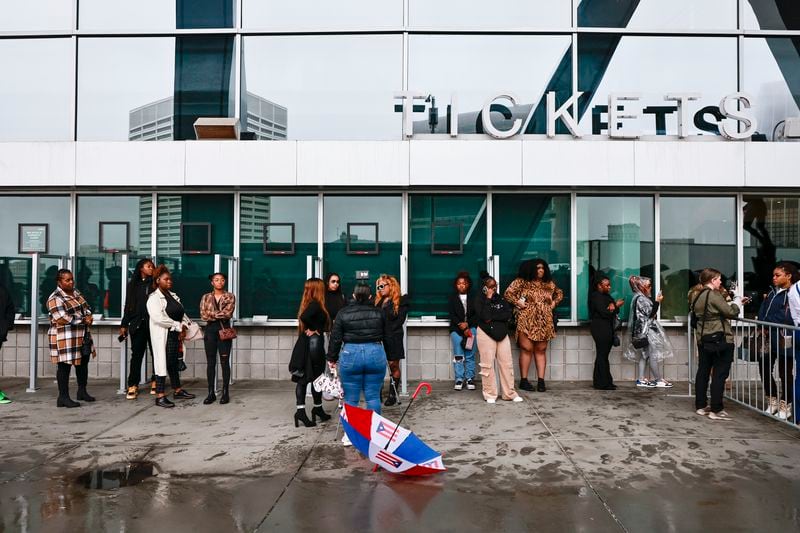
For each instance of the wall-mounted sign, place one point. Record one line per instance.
(33, 238)
(622, 107)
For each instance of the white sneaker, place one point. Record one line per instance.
(704, 411)
(772, 405)
(470, 384)
(458, 385)
(663, 383)
(491, 400)
(784, 410)
(346, 441)
(722, 415)
(517, 399)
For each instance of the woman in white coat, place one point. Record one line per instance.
(168, 326)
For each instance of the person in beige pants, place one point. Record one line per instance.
(493, 342)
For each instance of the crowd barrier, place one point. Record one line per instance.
(764, 373)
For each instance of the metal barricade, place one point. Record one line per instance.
(764, 373)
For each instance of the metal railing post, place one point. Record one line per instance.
(404, 361)
(34, 322)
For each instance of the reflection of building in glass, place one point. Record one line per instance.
(145, 224)
(783, 221)
(255, 212)
(268, 120)
(151, 122)
(154, 121)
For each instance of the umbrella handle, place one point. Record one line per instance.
(422, 385)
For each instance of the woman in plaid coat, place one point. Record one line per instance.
(70, 318)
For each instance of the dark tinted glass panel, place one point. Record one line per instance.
(658, 15)
(771, 14)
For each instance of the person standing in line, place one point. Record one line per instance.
(494, 344)
(794, 310)
(536, 296)
(603, 311)
(168, 326)
(714, 308)
(70, 318)
(461, 311)
(357, 349)
(7, 313)
(216, 308)
(647, 341)
(334, 297)
(395, 308)
(136, 324)
(775, 309)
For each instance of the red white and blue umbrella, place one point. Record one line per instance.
(388, 445)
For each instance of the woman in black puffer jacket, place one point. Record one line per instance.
(357, 347)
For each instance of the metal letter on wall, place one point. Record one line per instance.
(727, 107)
(489, 127)
(562, 113)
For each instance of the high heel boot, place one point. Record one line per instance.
(301, 416)
(225, 398)
(62, 378)
(317, 411)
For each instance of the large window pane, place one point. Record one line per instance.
(272, 276)
(322, 87)
(362, 233)
(36, 89)
(447, 234)
(771, 74)
(502, 14)
(658, 15)
(653, 67)
(529, 226)
(304, 14)
(109, 226)
(615, 237)
(179, 219)
(125, 88)
(478, 67)
(15, 273)
(771, 15)
(771, 234)
(36, 15)
(154, 14)
(696, 233)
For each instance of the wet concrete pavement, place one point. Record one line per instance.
(571, 459)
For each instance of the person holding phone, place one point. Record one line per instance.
(494, 346)
(461, 311)
(603, 311)
(136, 324)
(647, 342)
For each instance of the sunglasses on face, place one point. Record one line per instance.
(380, 287)
(334, 281)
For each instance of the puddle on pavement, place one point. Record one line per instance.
(116, 476)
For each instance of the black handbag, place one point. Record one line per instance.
(640, 342)
(88, 344)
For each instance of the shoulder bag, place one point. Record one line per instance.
(713, 342)
(638, 342)
(225, 334)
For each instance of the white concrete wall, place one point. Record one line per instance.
(471, 161)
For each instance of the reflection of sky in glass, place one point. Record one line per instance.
(52, 210)
(300, 210)
(598, 213)
(383, 210)
(496, 14)
(683, 14)
(299, 14)
(702, 220)
(34, 15)
(35, 89)
(126, 14)
(95, 209)
(655, 66)
(335, 87)
(117, 75)
(479, 67)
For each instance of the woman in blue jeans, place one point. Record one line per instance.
(463, 323)
(356, 346)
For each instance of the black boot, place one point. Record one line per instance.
(318, 411)
(62, 378)
(226, 378)
(540, 385)
(301, 416)
(524, 384)
(82, 374)
(392, 398)
(83, 395)
(224, 398)
(212, 397)
(163, 401)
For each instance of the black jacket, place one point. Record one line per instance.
(135, 315)
(493, 316)
(7, 312)
(334, 302)
(357, 323)
(455, 311)
(314, 318)
(393, 343)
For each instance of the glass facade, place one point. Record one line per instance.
(658, 15)
(447, 235)
(615, 237)
(696, 232)
(530, 226)
(154, 14)
(345, 14)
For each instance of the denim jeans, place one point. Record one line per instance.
(465, 367)
(362, 367)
